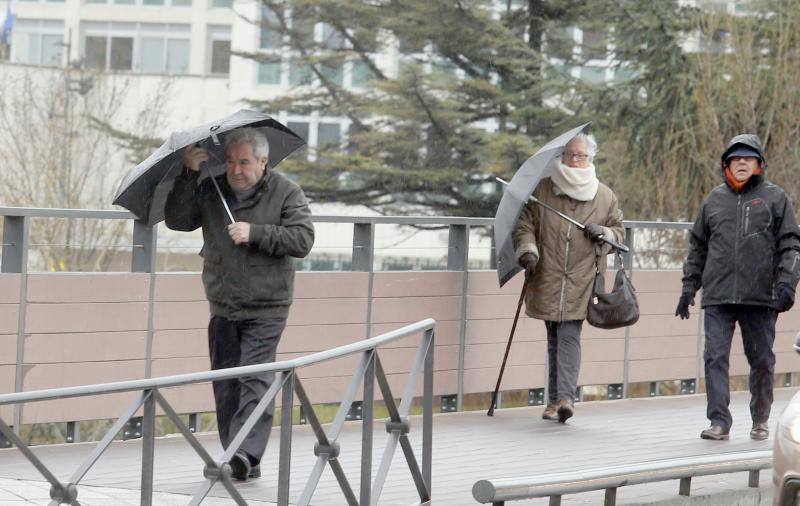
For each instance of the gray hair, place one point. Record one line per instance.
(252, 136)
(589, 140)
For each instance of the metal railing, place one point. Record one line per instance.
(499, 491)
(287, 381)
(144, 250)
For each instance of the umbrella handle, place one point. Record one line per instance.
(615, 244)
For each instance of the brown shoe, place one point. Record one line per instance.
(550, 412)
(760, 431)
(715, 433)
(565, 410)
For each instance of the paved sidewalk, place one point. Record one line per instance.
(467, 447)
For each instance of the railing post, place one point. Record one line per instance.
(143, 259)
(148, 447)
(457, 247)
(610, 498)
(427, 413)
(627, 263)
(16, 239)
(367, 414)
(363, 261)
(685, 487)
(458, 260)
(143, 256)
(285, 458)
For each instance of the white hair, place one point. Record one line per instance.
(589, 140)
(252, 136)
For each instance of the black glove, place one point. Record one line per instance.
(684, 302)
(593, 231)
(529, 261)
(784, 297)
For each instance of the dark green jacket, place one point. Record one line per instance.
(742, 245)
(255, 280)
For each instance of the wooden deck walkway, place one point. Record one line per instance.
(467, 446)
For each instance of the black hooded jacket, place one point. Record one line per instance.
(743, 244)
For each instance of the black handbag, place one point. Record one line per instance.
(617, 308)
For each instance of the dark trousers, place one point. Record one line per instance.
(758, 334)
(563, 359)
(233, 343)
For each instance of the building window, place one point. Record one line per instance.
(560, 43)
(593, 75)
(220, 56)
(332, 38)
(222, 4)
(301, 128)
(595, 45)
(113, 53)
(177, 56)
(158, 3)
(270, 36)
(269, 73)
(219, 49)
(329, 135)
(299, 73)
(38, 42)
(333, 72)
(361, 74)
(121, 54)
(141, 47)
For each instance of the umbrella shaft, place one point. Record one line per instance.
(219, 192)
(546, 206)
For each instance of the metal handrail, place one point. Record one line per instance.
(368, 371)
(53, 212)
(498, 491)
(219, 374)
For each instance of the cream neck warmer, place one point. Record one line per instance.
(580, 184)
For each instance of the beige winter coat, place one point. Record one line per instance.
(562, 282)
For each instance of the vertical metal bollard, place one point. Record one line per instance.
(627, 263)
(285, 459)
(427, 413)
(363, 261)
(148, 448)
(143, 259)
(458, 260)
(16, 236)
(367, 430)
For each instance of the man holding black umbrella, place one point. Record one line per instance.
(744, 252)
(248, 272)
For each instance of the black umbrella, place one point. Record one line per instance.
(145, 188)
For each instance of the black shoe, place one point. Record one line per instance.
(565, 410)
(760, 431)
(255, 471)
(240, 466)
(715, 433)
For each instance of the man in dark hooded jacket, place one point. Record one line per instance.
(745, 253)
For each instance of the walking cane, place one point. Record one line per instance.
(508, 347)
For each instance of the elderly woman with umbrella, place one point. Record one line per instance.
(560, 260)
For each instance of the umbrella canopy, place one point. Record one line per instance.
(145, 188)
(515, 197)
